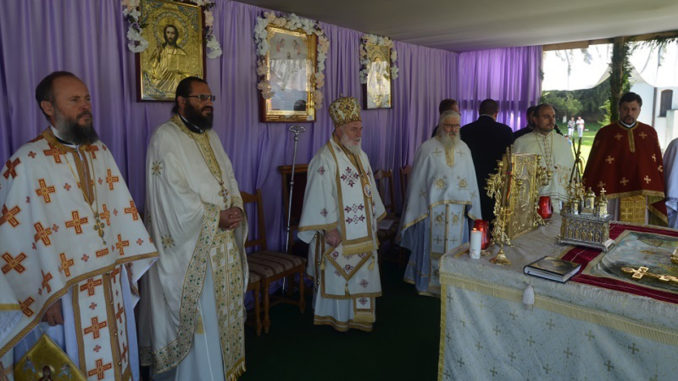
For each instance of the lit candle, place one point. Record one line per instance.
(476, 239)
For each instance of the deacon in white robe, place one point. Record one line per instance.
(442, 203)
(555, 152)
(671, 178)
(339, 220)
(191, 311)
(72, 247)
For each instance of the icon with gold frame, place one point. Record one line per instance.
(377, 89)
(290, 67)
(176, 48)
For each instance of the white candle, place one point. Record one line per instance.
(476, 238)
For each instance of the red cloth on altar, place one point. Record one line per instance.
(627, 162)
(584, 255)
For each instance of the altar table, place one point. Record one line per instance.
(573, 331)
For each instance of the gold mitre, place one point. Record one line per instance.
(344, 110)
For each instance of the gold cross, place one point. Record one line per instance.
(647, 179)
(609, 159)
(624, 181)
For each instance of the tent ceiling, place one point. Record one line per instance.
(483, 24)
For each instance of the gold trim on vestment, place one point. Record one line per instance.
(636, 193)
(173, 353)
(10, 307)
(236, 371)
(340, 201)
(78, 328)
(632, 142)
(326, 227)
(59, 293)
(587, 314)
(427, 214)
(340, 325)
(113, 330)
(443, 330)
(326, 255)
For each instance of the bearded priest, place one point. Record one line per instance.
(626, 161)
(191, 311)
(339, 220)
(442, 203)
(555, 151)
(72, 248)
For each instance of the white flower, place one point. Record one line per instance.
(394, 72)
(135, 13)
(209, 18)
(394, 55)
(133, 34)
(318, 99)
(261, 69)
(137, 46)
(213, 46)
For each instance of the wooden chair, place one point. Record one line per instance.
(404, 178)
(388, 227)
(384, 179)
(270, 265)
(254, 285)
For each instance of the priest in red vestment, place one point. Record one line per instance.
(626, 161)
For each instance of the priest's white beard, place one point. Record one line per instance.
(350, 145)
(448, 141)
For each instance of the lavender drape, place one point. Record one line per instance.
(511, 76)
(88, 38)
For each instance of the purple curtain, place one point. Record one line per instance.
(512, 76)
(88, 38)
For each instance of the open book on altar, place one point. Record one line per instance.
(552, 268)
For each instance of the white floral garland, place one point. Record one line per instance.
(291, 22)
(365, 61)
(138, 44)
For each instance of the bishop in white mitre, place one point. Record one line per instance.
(442, 202)
(339, 219)
(555, 152)
(72, 247)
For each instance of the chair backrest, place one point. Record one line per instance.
(256, 198)
(384, 179)
(404, 177)
(297, 198)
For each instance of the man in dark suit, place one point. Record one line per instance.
(487, 140)
(445, 105)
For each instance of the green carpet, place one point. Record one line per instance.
(402, 346)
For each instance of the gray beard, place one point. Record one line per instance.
(449, 142)
(353, 148)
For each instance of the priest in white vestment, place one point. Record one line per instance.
(441, 204)
(671, 178)
(555, 152)
(72, 247)
(191, 311)
(339, 220)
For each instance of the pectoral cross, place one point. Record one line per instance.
(99, 227)
(223, 192)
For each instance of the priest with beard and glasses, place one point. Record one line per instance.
(191, 310)
(441, 204)
(72, 248)
(339, 221)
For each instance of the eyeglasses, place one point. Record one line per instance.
(203, 97)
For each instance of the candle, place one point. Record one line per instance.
(476, 238)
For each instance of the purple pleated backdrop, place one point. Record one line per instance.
(88, 38)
